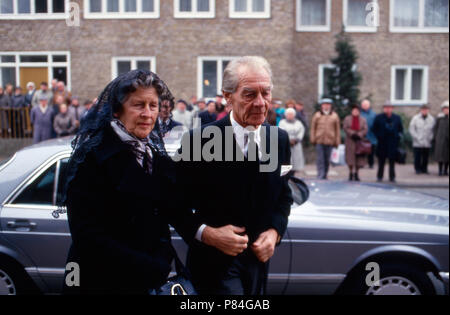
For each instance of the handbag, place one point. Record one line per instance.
(363, 147)
(179, 284)
(400, 157)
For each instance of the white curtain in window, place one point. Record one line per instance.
(400, 77)
(406, 13)
(356, 12)
(240, 5)
(112, 6)
(203, 5)
(95, 6)
(258, 5)
(130, 6)
(6, 6)
(185, 5)
(148, 6)
(436, 13)
(313, 12)
(24, 6)
(416, 86)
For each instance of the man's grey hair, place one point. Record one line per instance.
(231, 77)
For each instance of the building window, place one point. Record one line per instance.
(419, 16)
(19, 68)
(200, 9)
(33, 9)
(361, 15)
(409, 85)
(313, 15)
(210, 75)
(120, 65)
(250, 9)
(121, 9)
(325, 71)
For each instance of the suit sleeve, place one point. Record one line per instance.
(313, 130)
(279, 219)
(86, 213)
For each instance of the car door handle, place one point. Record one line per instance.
(21, 225)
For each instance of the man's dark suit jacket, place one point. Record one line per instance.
(236, 193)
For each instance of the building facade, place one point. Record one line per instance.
(403, 55)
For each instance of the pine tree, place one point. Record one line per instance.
(343, 83)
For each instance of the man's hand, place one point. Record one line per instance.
(264, 247)
(229, 239)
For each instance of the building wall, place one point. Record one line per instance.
(176, 43)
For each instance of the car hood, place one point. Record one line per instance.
(372, 206)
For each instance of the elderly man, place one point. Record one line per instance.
(421, 129)
(369, 115)
(42, 120)
(31, 89)
(244, 209)
(325, 134)
(42, 92)
(62, 91)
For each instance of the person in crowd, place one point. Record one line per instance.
(119, 194)
(18, 99)
(54, 85)
(279, 110)
(220, 110)
(296, 132)
(271, 116)
(42, 120)
(76, 110)
(209, 115)
(9, 90)
(355, 127)
(42, 92)
(325, 135)
(239, 232)
(220, 99)
(290, 104)
(192, 104)
(31, 89)
(442, 144)
(301, 114)
(421, 129)
(388, 129)
(63, 92)
(5, 104)
(165, 122)
(182, 115)
(369, 115)
(199, 108)
(64, 123)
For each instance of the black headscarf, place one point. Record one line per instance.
(99, 117)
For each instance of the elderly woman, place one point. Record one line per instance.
(355, 127)
(118, 199)
(64, 123)
(296, 132)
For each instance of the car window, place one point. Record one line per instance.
(40, 191)
(62, 179)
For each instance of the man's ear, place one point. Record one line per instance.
(227, 96)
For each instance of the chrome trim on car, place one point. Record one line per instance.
(361, 242)
(307, 277)
(444, 276)
(35, 174)
(46, 271)
(8, 162)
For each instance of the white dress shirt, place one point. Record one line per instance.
(240, 134)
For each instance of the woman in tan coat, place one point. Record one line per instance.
(356, 129)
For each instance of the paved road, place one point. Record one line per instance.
(440, 192)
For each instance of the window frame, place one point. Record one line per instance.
(413, 29)
(49, 64)
(321, 82)
(133, 60)
(408, 81)
(36, 16)
(249, 14)
(219, 60)
(312, 28)
(357, 28)
(122, 14)
(194, 14)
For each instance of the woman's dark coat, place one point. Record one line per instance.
(118, 220)
(442, 137)
(388, 132)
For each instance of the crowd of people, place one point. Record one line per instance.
(54, 112)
